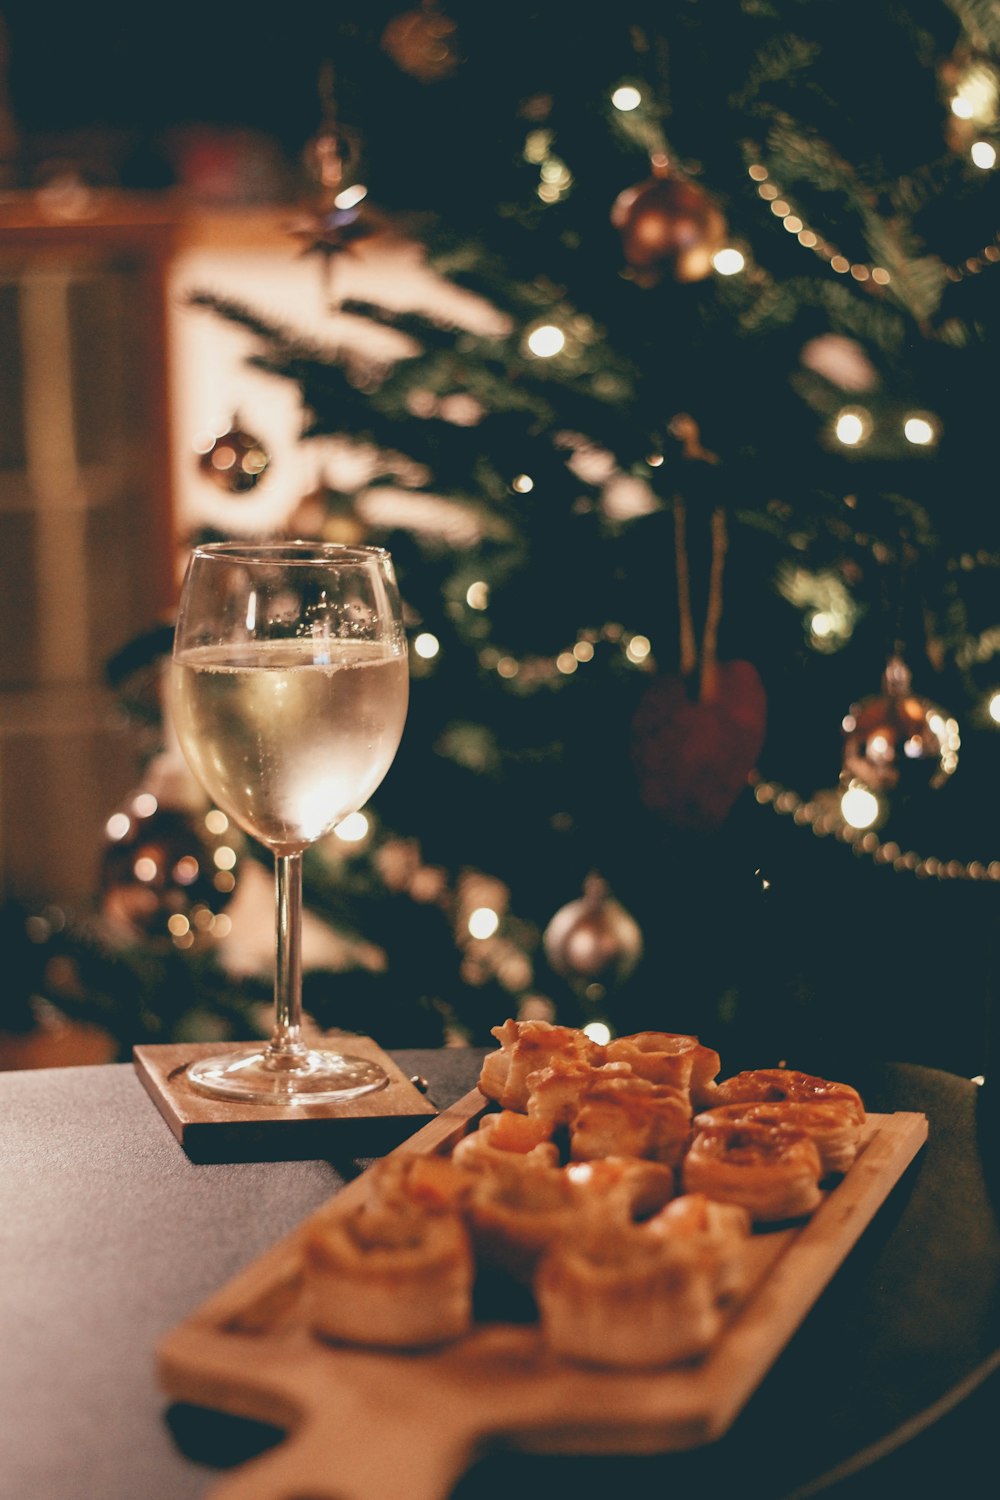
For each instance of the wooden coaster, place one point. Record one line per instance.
(223, 1130)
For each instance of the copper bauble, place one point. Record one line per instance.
(668, 223)
(593, 939)
(422, 43)
(897, 740)
(234, 460)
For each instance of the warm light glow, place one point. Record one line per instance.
(583, 651)
(186, 870)
(859, 807)
(483, 922)
(638, 648)
(145, 868)
(598, 1032)
(224, 857)
(507, 667)
(919, 431)
(852, 426)
(216, 821)
(178, 924)
(821, 624)
(994, 707)
(626, 97)
(353, 828)
(983, 155)
(477, 595)
(566, 663)
(351, 196)
(523, 484)
(546, 340)
(961, 107)
(426, 645)
(728, 262)
(145, 805)
(117, 826)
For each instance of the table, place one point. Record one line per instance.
(109, 1237)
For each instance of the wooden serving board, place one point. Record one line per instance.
(367, 1424)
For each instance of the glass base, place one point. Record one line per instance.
(307, 1076)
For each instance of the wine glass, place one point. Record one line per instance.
(289, 687)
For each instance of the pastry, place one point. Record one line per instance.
(620, 1296)
(515, 1217)
(505, 1142)
(772, 1171)
(556, 1091)
(832, 1123)
(624, 1187)
(769, 1085)
(718, 1232)
(388, 1276)
(669, 1057)
(525, 1047)
(623, 1115)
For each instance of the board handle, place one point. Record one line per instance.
(419, 1454)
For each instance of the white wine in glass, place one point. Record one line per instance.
(289, 691)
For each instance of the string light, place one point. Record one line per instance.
(728, 261)
(864, 273)
(546, 340)
(426, 645)
(539, 671)
(824, 816)
(626, 97)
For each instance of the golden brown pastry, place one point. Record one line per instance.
(389, 1276)
(619, 1296)
(669, 1057)
(831, 1123)
(771, 1171)
(769, 1085)
(555, 1091)
(525, 1047)
(623, 1187)
(515, 1217)
(623, 1115)
(504, 1142)
(718, 1232)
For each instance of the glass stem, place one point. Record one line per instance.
(286, 1038)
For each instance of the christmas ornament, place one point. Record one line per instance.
(234, 460)
(422, 43)
(896, 740)
(593, 939)
(668, 223)
(339, 216)
(167, 870)
(693, 755)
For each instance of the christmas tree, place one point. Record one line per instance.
(695, 537)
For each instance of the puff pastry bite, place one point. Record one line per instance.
(389, 1276)
(769, 1085)
(831, 1123)
(515, 1218)
(623, 1115)
(624, 1187)
(506, 1142)
(772, 1171)
(669, 1057)
(556, 1091)
(718, 1232)
(525, 1047)
(622, 1297)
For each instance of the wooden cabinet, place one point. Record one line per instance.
(86, 530)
